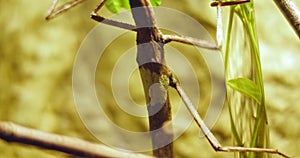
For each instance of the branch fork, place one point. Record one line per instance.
(14, 133)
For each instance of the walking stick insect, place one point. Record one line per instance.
(173, 82)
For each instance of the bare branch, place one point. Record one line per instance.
(65, 7)
(165, 38)
(114, 23)
(95, 16)
(190, 41)
(51, 9)
(291, 13)
(15, 133)
(229, 3)
(99, 6)
(208, 134)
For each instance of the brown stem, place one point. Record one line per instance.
(291, 13)
(15, 133)
(151, 60)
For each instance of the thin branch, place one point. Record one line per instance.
(165, 38)
(219, 31)
(65, 7)
(99, 6)
(291, 13)
(15, 133)
(190, 41)
(114, 23)
(229, 3)
(51, 9)
(95, 16)
(208, 134)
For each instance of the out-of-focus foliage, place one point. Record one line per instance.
(245, 91)
(36, 61)
(116, 5)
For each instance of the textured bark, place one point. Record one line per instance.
(150, 57)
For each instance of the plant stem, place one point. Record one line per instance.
(246, 113)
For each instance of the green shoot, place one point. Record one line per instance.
(246, 96)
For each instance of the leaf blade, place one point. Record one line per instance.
(246, 87)
(155, 2)
(114, 5)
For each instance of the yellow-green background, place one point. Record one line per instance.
(37, 56)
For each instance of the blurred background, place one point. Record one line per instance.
(36, 63)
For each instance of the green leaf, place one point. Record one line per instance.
(246, 87)
(116, 5)
(125, 4)
(155, 2)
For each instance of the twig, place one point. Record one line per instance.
(65, 7)
(229, 3)
(164, 38)
(208, 134)
(291, 13)
(114, 23)
(15, 133)
(190, 41)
